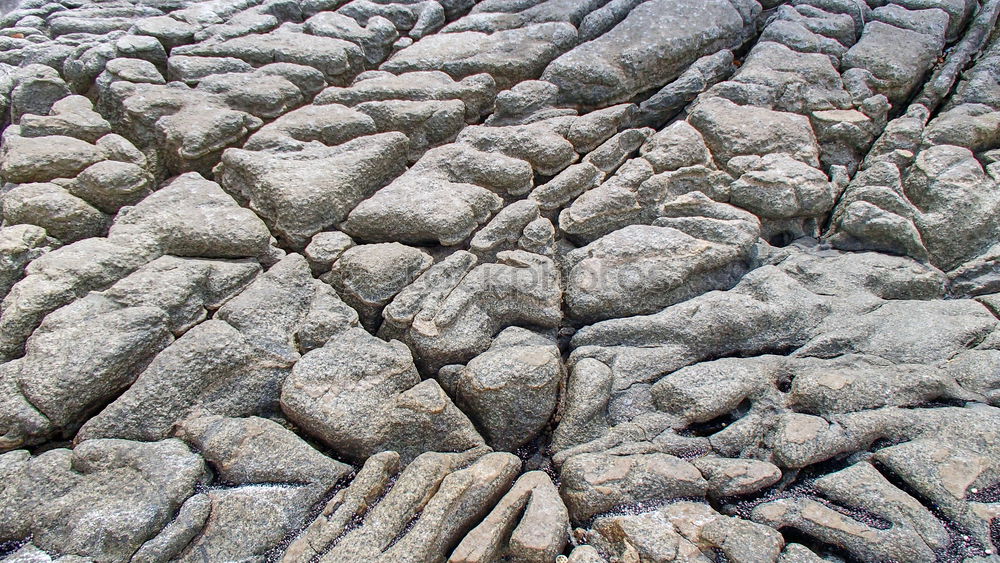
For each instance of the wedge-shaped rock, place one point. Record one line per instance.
(946, 182)
(477, 92)
(305, 192)
(588, 391)
(973, 126)
(506, 228)
(453, 311)
(361, 395)
(904, 331)
(432, 504)
(642, 269)
(199, 369)
(791, 198)
(494, 16)
(246, 522)
(783, 79)
(854, 383)
(232, 365)
(508, 56)
(188, 290)
(192, 216)
(72, 368)
(731, 477)
(462, 163)
(368, 276)
(733, 130)
(426, 123)
(418, 208)
(330, 124)
(830, 526)
(687, 531)
(260, 94)
(708, 390)
(611, 69)
(257, 450)
(338, 60)
(898, 58)
(593, 484)
(526, 102)
(59, 277)
(34, 89)
(19, 245)
(110, 185)
(62, 214)
(375, 38)
(189, 128)
(540, 144)
(286, 312)
(40, 159)
(443, 198)
(767, 310)
(72, 116)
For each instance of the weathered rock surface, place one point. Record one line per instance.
(511, 390)
(585, 281)
(612, 69)
(105, 496)
(361, 395)
(304, 192)
(368, 276)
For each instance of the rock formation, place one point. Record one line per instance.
(587, 281)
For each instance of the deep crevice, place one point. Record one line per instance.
(9, 547)
(717, 424)
(782, 239)
(961, 544)
(824, 550)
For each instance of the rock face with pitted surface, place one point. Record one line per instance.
(486, 281)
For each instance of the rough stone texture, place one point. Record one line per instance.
(105, 496)
(641, 269)
(510, 391)
(193, 217)
(361, 395)
(613, 67)
(597, 483)
(63, 215)
(257, 450)
(451, 313)
(531, 514)
(305, 192)
(19, 246)
(585, 281)
(368, 276)
(509, 56)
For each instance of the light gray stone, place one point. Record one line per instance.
(192, 216)
(510, 391)
(303, 193)
(368, 276)
(73, 502)
(381, 402)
